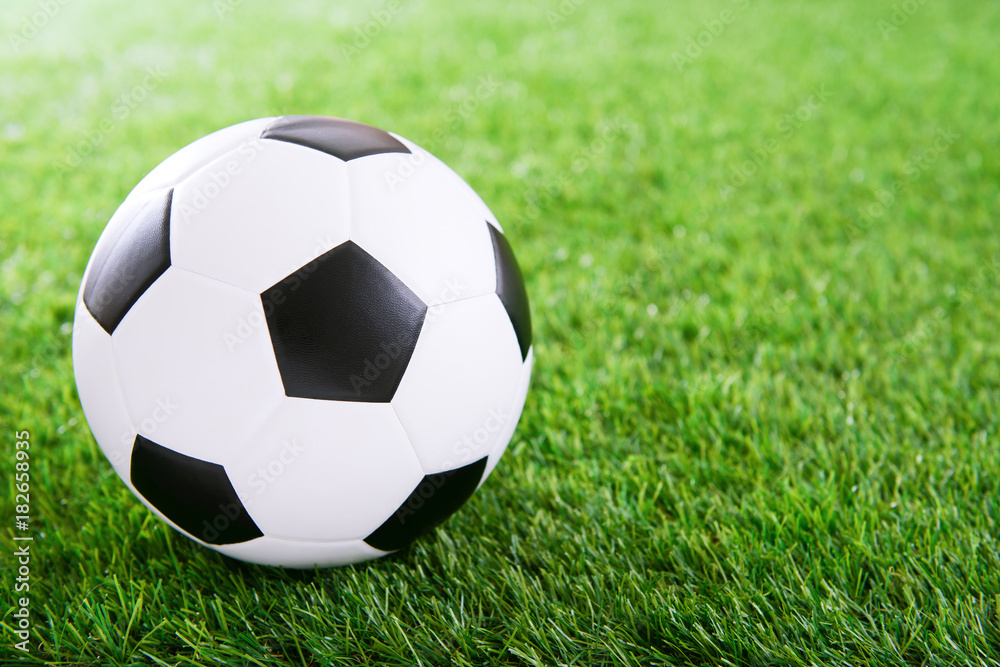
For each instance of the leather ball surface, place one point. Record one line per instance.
(302, 341)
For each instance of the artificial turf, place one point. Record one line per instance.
(760, 239)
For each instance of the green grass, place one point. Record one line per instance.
(762, 428)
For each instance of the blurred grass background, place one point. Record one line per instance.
(760, 241)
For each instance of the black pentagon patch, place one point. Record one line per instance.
(129, 256)
(435, 499)
(345, 139)
(510, 289)
(343, 327)
(194, 494)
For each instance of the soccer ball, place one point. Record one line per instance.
(302, 341)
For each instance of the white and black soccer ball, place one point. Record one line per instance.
(302, 341)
